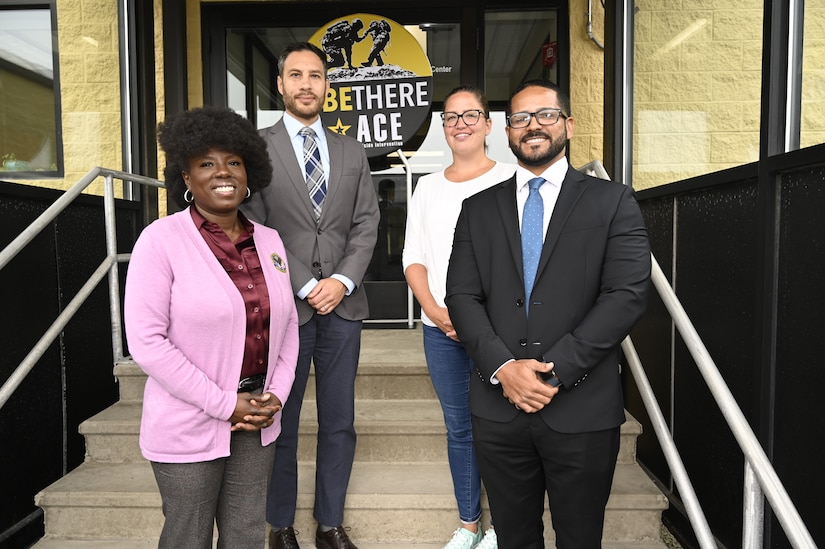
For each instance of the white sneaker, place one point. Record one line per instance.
(490, 540)
(463, 539)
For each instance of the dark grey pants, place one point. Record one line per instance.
(333, 345)
(228, 491)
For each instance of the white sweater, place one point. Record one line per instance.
(431, 218)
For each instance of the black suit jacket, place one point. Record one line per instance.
(591, 287)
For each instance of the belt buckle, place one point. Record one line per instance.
(251, 384)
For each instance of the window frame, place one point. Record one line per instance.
(20, 5)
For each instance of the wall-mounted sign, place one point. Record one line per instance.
(380, 81)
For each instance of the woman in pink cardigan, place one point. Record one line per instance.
(210, 317)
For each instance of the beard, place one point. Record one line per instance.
(534, 156)
(306, 111)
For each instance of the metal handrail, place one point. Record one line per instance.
(674, 460)
(760, 477)
(108, 266)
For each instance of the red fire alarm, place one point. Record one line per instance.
(549, 53)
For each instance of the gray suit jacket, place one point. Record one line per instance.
(343, 240)
(591, 287)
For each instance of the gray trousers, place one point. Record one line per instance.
(229, 491)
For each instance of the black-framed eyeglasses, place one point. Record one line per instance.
(471, 117)
(545, 117)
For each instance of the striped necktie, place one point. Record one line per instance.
(532, 235)
(316, 180)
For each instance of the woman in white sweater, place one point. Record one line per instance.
(431, 220)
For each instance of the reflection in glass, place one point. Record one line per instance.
(442, 42)
(812, 130)
(518, 46)
(697, 87)
(392, 205)
(28, 134)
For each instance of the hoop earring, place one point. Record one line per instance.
(190, 199)
(248, 192)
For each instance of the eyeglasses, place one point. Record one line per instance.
(471, 117)
(545, 117)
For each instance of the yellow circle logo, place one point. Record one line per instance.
(380, 81)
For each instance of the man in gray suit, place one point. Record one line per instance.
(322, 202)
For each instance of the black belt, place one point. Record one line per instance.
(252, 384)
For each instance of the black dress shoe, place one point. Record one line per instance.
(283, 539)
(336, 538)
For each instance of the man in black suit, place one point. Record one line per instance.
(547, 401)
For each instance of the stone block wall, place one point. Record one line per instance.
(586, 83)
(90, 103)
(697, 88)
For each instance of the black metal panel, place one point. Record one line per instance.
(31, 422)
(87, 342)
(74, 379)
(799, 405)
(387, 299)
(652, 338)
(717, 256)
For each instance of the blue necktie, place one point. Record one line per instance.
(532, 235)
(316, 181)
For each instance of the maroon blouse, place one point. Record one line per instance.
(240, 259)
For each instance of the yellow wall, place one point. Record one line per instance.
(586, 83)
(697, 88)
(89, 90)
(87, 32)
(813, 75)
(160, 106)
(27, 109)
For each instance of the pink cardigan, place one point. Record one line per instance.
(185, 326)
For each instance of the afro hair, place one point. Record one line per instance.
(191, 133)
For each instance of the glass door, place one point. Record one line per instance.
(492, 48)
(241, 72)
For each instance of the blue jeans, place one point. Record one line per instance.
(450, 369)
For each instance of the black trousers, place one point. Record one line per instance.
(522, 460)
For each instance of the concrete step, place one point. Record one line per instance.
(388, 430)
(399, 503)
(153, 543)
(391, 366)
(374, 381)
(406, 430)
(400, 493)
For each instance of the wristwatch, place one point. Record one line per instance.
(553, 379)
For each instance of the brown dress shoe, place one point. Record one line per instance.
(336, 538)
(283, 539)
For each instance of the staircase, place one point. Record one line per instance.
(400, 493)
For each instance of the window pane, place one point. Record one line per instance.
(266, 45)
(442, 42)
(812, 131)
(697, 85)
(518, 46)
(28, 135)
(236, 73)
